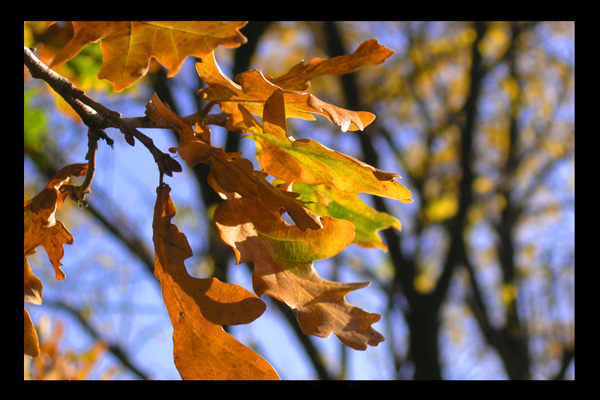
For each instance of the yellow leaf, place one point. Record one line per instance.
(308, 161)
(199, 307)
(508, 293)
(127, 46)
(326, 200)
(442, 208)
(424, 282)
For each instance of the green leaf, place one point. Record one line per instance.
(326, 200)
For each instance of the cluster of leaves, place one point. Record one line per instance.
(315, 186)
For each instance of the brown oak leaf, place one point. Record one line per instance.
(42, 229)
(283, 258)
(199, 307)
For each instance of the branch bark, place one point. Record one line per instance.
(95, 115)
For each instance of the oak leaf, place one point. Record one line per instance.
(42, 229)
(128, 46)
(199, 307)
(253, 91)
(326, 200)
(308, 161)
(230, 175)
(369, 52)
(283, 258)
(30, 338)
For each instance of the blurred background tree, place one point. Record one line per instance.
(478, 118)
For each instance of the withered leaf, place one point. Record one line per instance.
(42, 229)
(231, 175)
(127, 46)
(369, 52)
(253, 91)
(283, 257)
(199, 307)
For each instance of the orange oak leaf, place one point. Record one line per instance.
(369, 52)
(283, 257)
(199, 307)
(230, 175)
(253, 91)
(31, 344)
(127, 46)
(42, 229)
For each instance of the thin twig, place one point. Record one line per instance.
(192, 119)
(79, 192)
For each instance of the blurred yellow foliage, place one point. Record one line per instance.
(424, 282)
(508, 293)
(442, 208)
(483, 185)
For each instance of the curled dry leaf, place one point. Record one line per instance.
(42, 229)
(369, 52)
(199, 307)
(231, 175)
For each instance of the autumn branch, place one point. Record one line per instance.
(95, 115)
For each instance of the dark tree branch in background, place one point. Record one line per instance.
(116, 223)
(423, 315)
(114, 348)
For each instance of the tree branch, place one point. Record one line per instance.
(95, 115)
(114, 348)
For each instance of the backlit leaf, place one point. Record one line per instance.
(42, 229)
(253, 91)
(199, 307)
(369, 52)
(231, 175)
(127, 46)
(325, 200)
(308, 161)
(283, 257)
